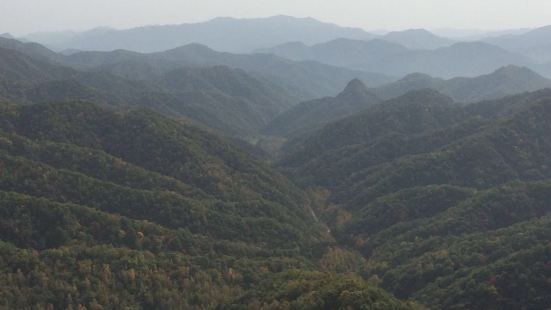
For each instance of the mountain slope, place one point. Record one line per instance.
(315, 79)
(309, 79)
(417, 39)
(137, 210)
(445, 202)
(460, 59)
(224, 34)
(225, 99)
(354, 54)
(414, 113)
(505, 81)
(172, 148)
(18, 67)
(534, 44)
(31, 49)
(313, 114)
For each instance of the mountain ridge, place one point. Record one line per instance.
(418, 39)
(309, 115)
(225, 34)
(458, 59)
(504, 81)
(423, 187)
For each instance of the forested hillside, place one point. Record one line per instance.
(128, 209)
(313, 114)
(237, 95)
(509, 80)
(226, 99)
(356, 97)
(200, 168)
(448, 204)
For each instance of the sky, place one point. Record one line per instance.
(21, 17)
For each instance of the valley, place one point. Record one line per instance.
(274, 163)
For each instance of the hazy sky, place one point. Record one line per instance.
(24, 16)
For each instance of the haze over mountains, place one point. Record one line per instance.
(534, 43)
(240, 101)
(504, 81)
(223, 34)
(357, 97)
(411, 51)
(174, 82)
(417, 39)
(277, 163)
(460, 59)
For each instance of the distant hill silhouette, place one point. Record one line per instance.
(225, 99)
(417, 39)
(505, 81)
(535, 43)
(460, 59)
(224, 34)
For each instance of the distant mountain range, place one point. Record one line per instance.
(238, 94)
(395, 53)
(226, 99)
(505, 81)
(535, 44)
(235, 94)
(245, 35)
(341, 52)
(315, 79)
(356, 97)
(475, 34)
(459, 59)
(223, 34)
(417, 39)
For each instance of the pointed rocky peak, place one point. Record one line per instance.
(356, 91)
(355, 85)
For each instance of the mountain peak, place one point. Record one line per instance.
(419, 31)
(417, 76)
(512, 69)
(192, 47)
(356, 90)
(418, 39)
(355, 86)
(6, 35)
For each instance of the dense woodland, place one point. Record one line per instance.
(448, 204)
(119, 210)
(197, 179)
